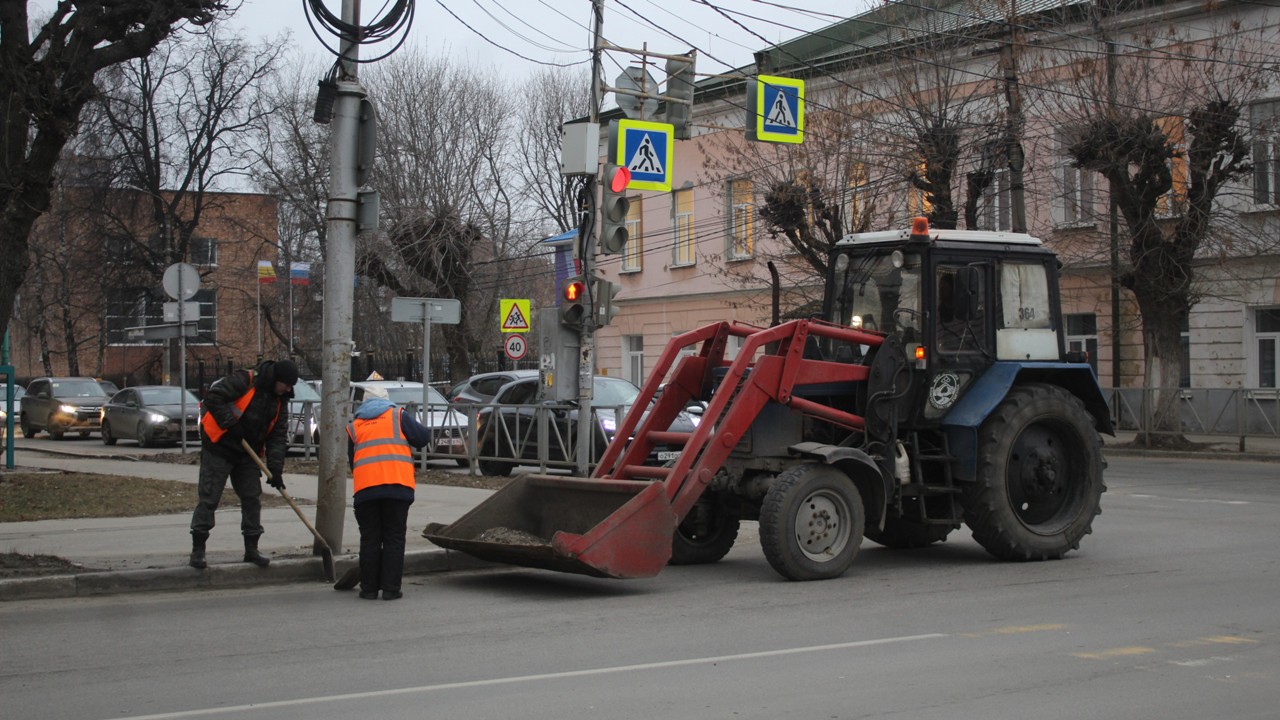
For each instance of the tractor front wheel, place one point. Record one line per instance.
(1039, 482)
(707, 533)
(811, 522)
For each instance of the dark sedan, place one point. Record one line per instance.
(150, 414)
(508, 427)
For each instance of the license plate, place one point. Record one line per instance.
(668, 454)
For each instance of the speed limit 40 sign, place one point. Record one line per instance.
(515, 346)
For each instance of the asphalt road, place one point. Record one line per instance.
(1170, 610)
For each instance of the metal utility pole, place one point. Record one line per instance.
(586, 257)
(339, 289)
(1013, 129)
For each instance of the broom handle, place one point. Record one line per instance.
(301, 516)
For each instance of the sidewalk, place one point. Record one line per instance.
(150, 553)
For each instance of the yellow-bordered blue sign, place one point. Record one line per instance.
(776, 110)
(647, 150)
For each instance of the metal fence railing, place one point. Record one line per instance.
(1239, 413)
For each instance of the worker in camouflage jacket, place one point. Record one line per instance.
(252, 406)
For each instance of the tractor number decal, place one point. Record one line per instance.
(946, 386)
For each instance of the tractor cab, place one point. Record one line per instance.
(957, 301)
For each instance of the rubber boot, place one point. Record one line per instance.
(197, 560)
(251, 554)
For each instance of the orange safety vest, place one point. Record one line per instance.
(215, 432)
(382, 455)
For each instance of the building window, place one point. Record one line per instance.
(204, 252)
(1184, 339)
(1264, 121)
(682, 226)
(207, 326)
(741, 219)
(1266, 333)
(1076, 205)
(918, 204)
(132, 308)
(633, 358)
(1174, 202)
(858, 196)
(1082, 336)
(995, 213)
(633, 253)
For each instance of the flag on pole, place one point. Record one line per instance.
(300, 273)
(266, 272)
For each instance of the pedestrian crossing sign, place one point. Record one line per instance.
(513, 315)
(775, 110)
(646, 149)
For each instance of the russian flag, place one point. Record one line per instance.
(300, 273)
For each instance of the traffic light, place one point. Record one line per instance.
(679, 94)
(604, 292)
(573, 302)
(614, 207)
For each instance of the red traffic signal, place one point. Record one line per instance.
(619, 178)
(574, 290)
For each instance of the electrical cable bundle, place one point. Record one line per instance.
(395, 21)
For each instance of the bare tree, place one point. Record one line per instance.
(562, 95)
(47, 78)
(1169, 151)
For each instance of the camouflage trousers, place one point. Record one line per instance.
(215, 469)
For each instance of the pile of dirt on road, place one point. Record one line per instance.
(17, 565)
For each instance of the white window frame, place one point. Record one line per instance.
(996, 212)
(211, 255)
(1082, 342)
(633, 252)
(1264, 123)
(682, 252)
(1076, 206)
(633, 358)
(1254, 351)
(741, 245)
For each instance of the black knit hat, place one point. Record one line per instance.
(286, 371)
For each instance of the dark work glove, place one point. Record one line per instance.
(276, 480)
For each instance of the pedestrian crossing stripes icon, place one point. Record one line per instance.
(645, 159)
(780, 113)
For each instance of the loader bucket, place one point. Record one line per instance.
(597, 527)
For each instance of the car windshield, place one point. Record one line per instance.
(303, 392)
(166, 396)
(78, 388)
(613, 392)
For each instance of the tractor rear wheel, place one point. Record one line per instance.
(811, 522)
(707, 533)
(901, 534)
(1039, 482)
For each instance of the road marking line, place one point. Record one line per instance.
(1016, 630)
(1191, 500)
(1115, 652)
(533, 678)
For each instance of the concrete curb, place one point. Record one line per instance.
(217, 577)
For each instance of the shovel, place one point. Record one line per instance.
(326, 555)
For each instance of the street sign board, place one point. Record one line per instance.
(647, 149)
(636, 80)
(515, 346)
(513, 316)
(775, 109)
(181, 276)
(168, 331)
(416, 310)
(190, 312)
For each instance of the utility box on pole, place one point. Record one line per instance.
(560, 351)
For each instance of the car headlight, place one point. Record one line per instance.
(609, 423)
(68, 409)
(157, 418)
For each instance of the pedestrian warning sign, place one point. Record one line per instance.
(646, 149)
(514, 316)
(775, 110)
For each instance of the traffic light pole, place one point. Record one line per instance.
(586, 257)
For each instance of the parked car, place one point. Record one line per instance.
(18, 392)
(448, 426)
(59, 405)
(304, 414)
(151, 415)
(108, 387)
(482, 387)
(509, 429)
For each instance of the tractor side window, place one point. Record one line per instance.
(962, 308)
(1024, 293)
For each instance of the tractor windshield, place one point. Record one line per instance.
(879, 291)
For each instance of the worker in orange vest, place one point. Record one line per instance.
(254, 407)
(380, 450)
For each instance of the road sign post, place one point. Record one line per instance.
(182, 281)
(426, 311)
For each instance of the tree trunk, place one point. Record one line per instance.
(1162, 324)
